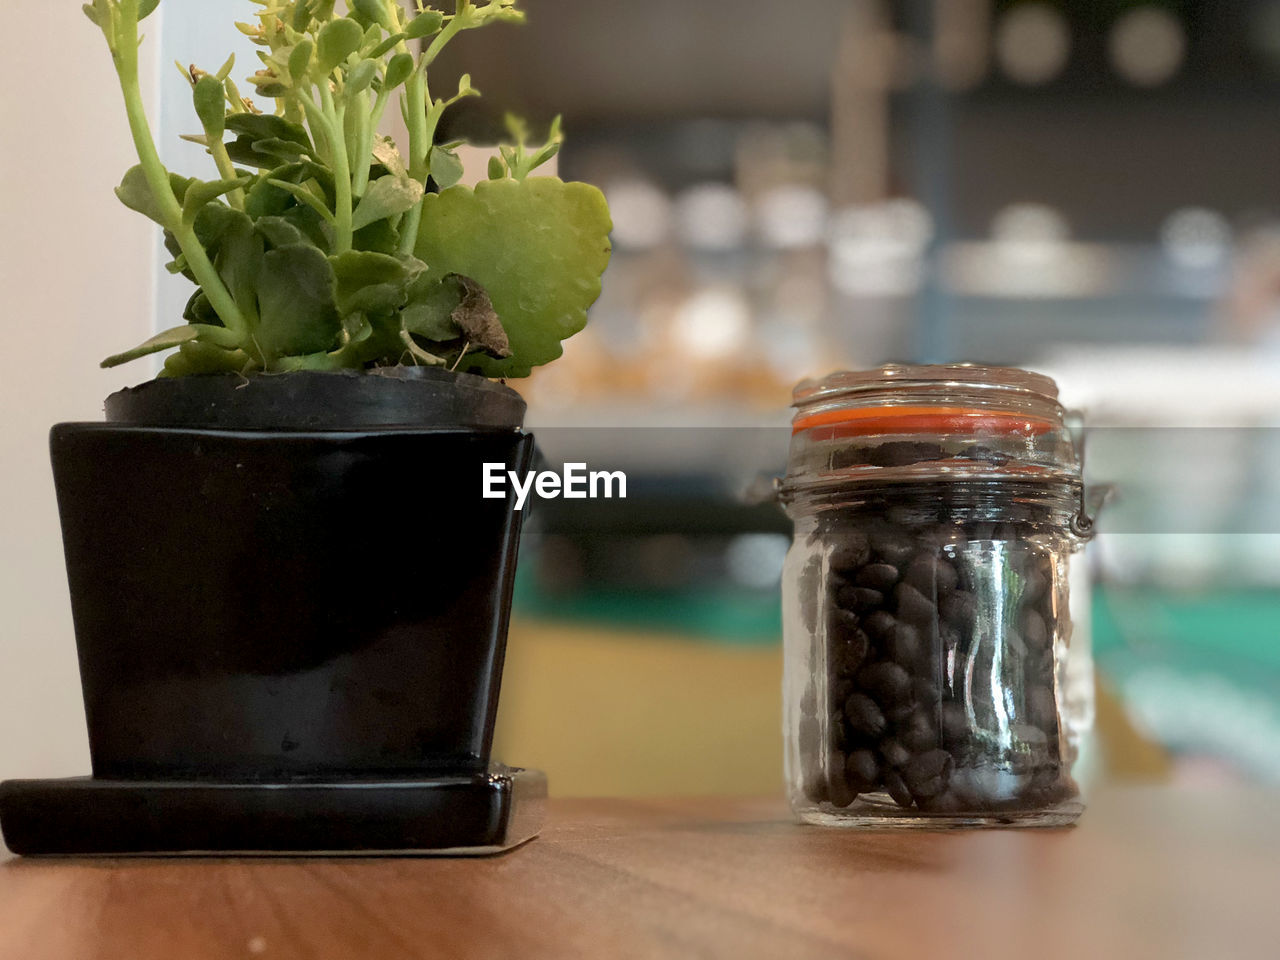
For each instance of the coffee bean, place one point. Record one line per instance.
(1033, 586)
(946, 536)
(905, 646)
(918, 732)
(894, 753)
(840, 687)
(880, 624)
(838, 791)
(925, 689)
(1034, 632)
(877, 576)
(815, 786)
(850, 552)
(864, 715)
(928, 773)
(978, 451)
(862, 770)
(901, 453)
(859, 598)
(1046, 775)
(887, 682)
(1041, 666)
(930, 574)
(892, 546)
(955, 722)
(1015, 650)
(959, 609)
(914, 607)
(846, 650)
(1042, 707)
(897, 788)
(835, 732)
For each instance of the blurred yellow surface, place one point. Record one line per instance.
(612, 712)
(607, 712)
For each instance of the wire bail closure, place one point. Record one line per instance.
(1092, 499)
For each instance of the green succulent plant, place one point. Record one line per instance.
(322, 244)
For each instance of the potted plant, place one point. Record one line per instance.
(290, 598)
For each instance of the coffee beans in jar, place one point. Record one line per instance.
(926, 604)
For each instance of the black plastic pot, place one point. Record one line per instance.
(281, 587)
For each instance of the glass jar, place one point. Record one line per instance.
(926, 607)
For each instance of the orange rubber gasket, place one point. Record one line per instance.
(864, 421)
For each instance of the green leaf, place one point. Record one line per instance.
(201, 193)
(210, 103)
(374, 11)
(92, 12)
(199, 310)
(373, 283)
(279, 232)
(146, 8)
(386, 197)
(378, 51)
(197, 358)
(357, 328)
(311, 225)
(379, 236)
(361, 77)
(300, 59)
(266, 126)
(135, 193)
(309, 361)
(304, 195)
(429, 312)
(297, 312)
(424, 25)
(269, 86)
(235, 248)
(263, 140)
(399, 69)
(278, 149)
(537, 246)
(338, 40)
(497, 169)
(161, 341)
(445, 166)
(267, 199)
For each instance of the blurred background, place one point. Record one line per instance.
(1090, 190)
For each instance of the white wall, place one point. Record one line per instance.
(79, 280)
(76, 281)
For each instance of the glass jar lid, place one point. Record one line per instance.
(900, 423)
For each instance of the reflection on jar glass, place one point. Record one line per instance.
(925, 600)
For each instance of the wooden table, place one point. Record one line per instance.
(1148, 873)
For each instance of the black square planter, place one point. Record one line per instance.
(307, 622)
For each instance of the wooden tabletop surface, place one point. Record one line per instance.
(1148, 873)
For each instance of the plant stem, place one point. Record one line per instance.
(126, 59)
(341, 170)
(422, 127)
(227, 171)
(364, 144)
(372, 124)
(419, 146)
